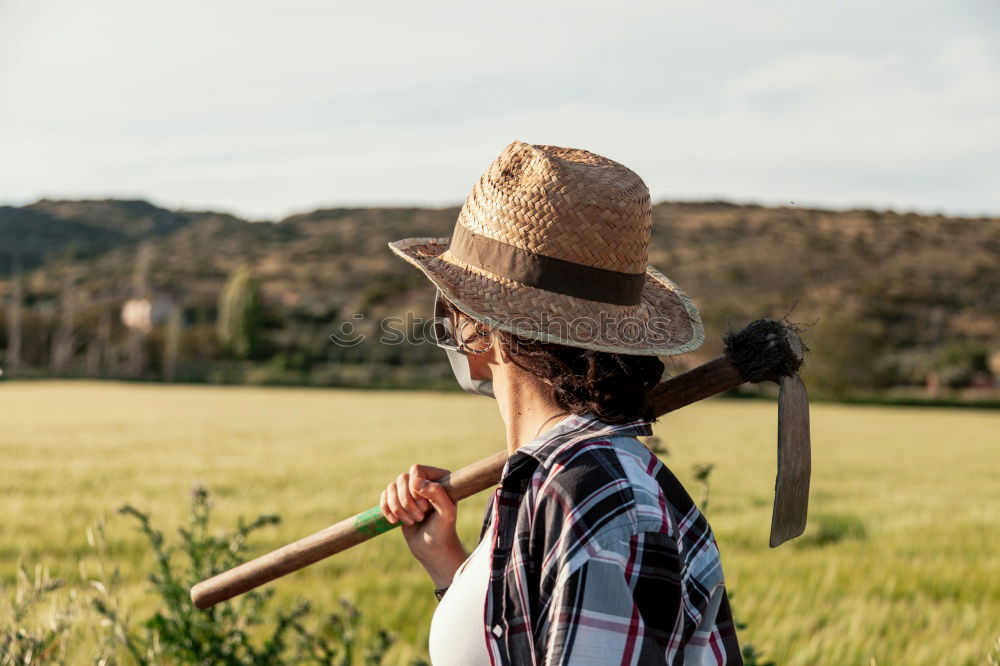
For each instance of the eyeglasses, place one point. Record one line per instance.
(444, 334)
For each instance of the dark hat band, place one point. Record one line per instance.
(548, 273)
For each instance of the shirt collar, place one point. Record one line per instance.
(569, 430)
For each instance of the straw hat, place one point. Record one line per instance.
(552, 245)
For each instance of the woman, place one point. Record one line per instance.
(591, 551)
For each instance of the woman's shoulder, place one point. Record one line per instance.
(616, 491)
(611, 481)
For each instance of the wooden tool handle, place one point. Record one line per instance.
(701, 382)
(460, 484)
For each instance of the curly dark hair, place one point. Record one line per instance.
(614, 387)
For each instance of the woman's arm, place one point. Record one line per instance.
(428, 516)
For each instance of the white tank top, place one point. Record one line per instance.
(458, 634)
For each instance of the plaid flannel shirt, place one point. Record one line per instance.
(602, 557)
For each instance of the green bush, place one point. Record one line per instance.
(959, 360)
(237, 632)
(26, 639)
(845, 357)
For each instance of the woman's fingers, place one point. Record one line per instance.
(383, 502)
(407, 502)
(428, 472)
(438, 498)
(420, 473)
(413, 494)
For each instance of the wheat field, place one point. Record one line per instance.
(900, 563)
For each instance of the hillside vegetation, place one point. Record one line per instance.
(890, 297)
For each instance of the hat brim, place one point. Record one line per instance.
(664, 323)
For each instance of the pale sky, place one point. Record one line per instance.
(264, 109)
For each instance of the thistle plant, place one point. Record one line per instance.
(237, 632)
(33, 636)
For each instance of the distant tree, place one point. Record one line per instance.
(239, 314)
(99, 348)
(958, 361)
(172, 342)
(846, 355)
(13, 359)
(64, 341)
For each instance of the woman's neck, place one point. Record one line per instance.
(525, 404)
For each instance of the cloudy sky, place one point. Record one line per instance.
(268, 108)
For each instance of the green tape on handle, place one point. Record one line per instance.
(372, 522)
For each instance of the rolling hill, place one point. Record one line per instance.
(902, 292)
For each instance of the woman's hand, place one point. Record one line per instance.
(428, 516)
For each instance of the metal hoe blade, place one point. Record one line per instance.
(791, 487)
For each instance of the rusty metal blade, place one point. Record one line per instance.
(791, 487)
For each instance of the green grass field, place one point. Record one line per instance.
(901, 564)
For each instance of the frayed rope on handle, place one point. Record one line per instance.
(766, 349)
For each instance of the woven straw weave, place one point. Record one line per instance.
(576, 206)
